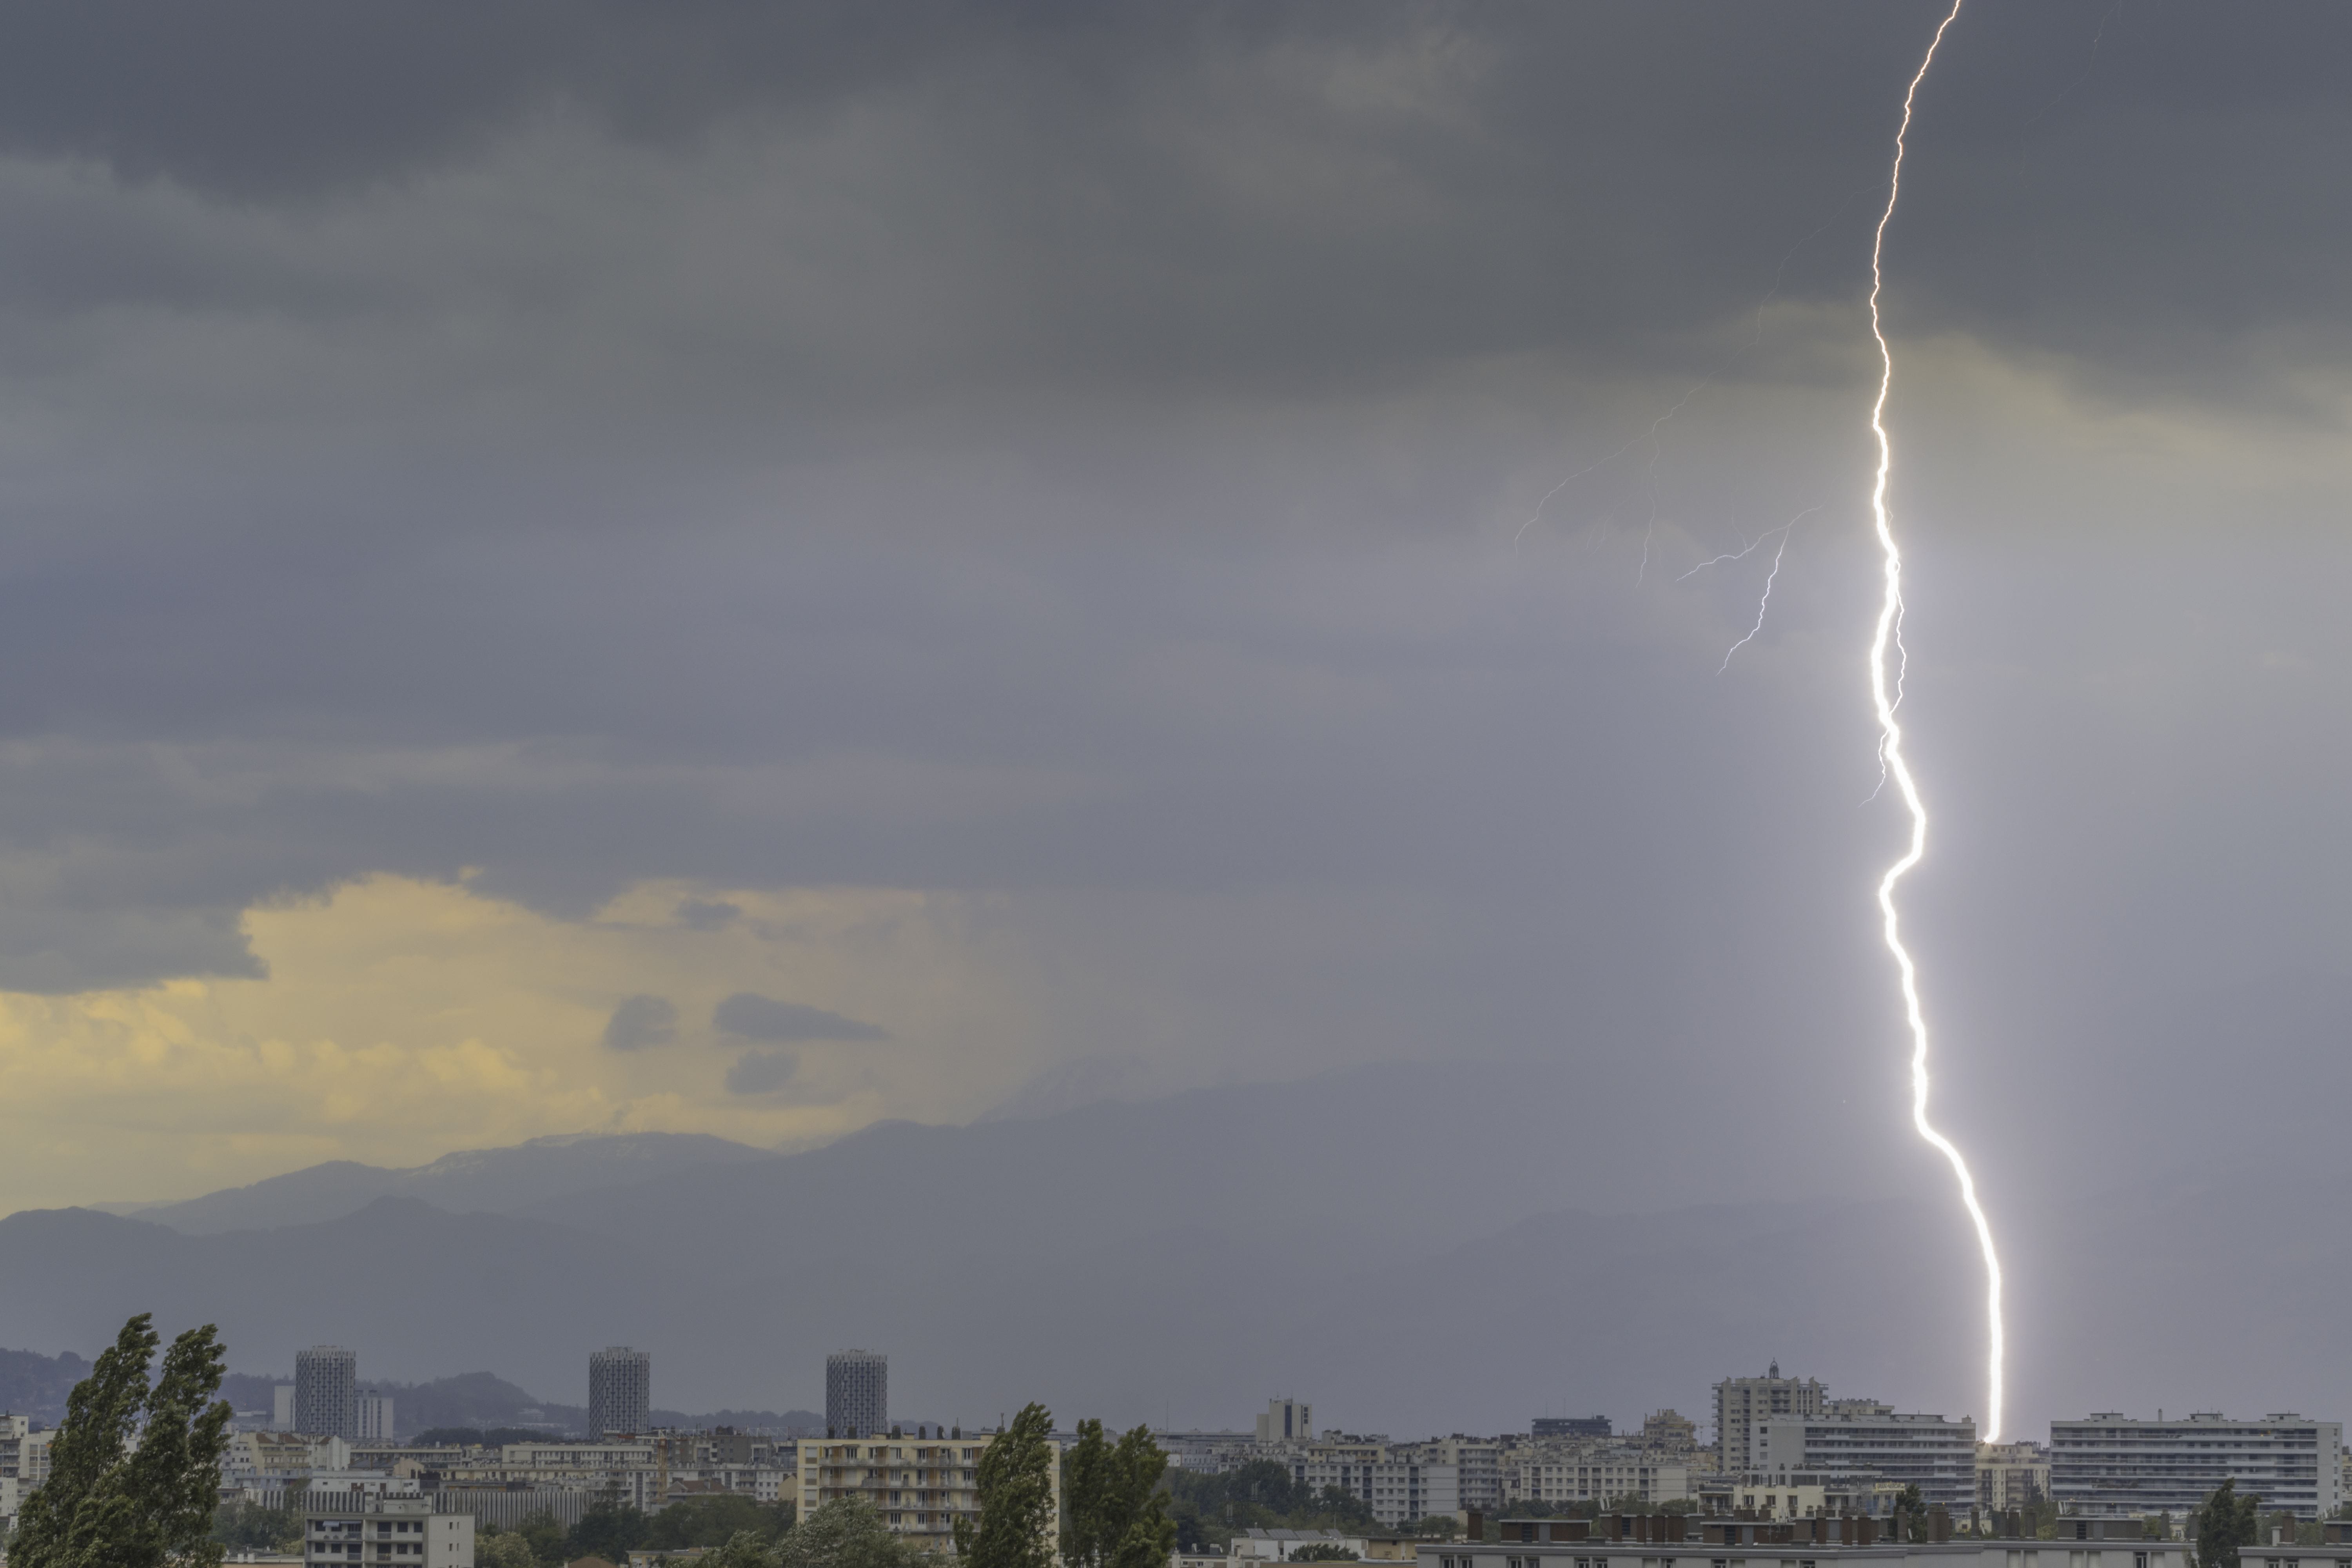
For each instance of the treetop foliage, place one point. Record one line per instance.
(107, 1504)
(1111, 1494)
(1016, 1498)
(1210, 1510)
(2225, 1522)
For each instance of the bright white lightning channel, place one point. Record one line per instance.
(1886, 694)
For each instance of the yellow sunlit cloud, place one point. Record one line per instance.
(402, 1019)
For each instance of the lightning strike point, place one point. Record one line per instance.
(1886, 695)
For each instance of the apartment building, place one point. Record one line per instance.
(1398, 1486)
(1477, 1464)
(1673, 1543)
(2111, 1465)
(2012, 1476)
(620, 1391)
(1743, 1404)
(856, 1394)
(1287, 1420)
(396, 1528)
(921, 1485)
(1862, 1437)
(326, 1392)
(1593, 1472)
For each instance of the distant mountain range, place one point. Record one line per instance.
(487, 1181)
(1389, 1242)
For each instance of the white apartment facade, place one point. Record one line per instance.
(1696, 1551)
(384, 1528)
(1593, 1472)
(2012, 1476)
(2111, 1465)
(921, 1485)
(1398, 1488)
(1477, 1465)
(1934, 1453)
(1742, 1404)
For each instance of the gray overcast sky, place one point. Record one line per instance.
(1023, 521)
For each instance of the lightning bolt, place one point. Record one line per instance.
(1885, 694)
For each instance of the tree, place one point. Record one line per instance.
(543, 1536)
(1111, 1492)
(1323, 1551)
(2225, 1522)
(250, 1527)
(504, 1551)
(1016, 1498)
(608, 1529)
(846, 1532)
(110, 1505)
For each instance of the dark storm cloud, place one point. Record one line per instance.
(641, 1021)
(1195, 202)
(1084, 455)
(706, 914)
(748, 1015)
(761, 1072)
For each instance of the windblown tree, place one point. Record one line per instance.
(1111, 1491)
(2224, 1523)
(110, 1504)
(1016, 1498)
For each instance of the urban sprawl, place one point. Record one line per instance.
(1784, 1477)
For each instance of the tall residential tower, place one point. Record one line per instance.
(856, 1394)
(327, 1392)
(620, 1392)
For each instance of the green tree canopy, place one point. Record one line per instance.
(2224, 1523)
(110, 1505)
(1209, 1510)
(846, 1532)
(1016, 1498)
(1111, 1494)
(250, 1527)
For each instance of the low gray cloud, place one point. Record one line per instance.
(761, 1072)
(748, 1015)
(706, 914)
(641, 1021)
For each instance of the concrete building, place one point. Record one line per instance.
(856, 1394)
(1671, 1541)
(1478, 1467)
(621, 1391)
(2012, 1476)
(2111, 1465)
(1863, 1439)
(1668, 1435)
(327, 1392)
(1593, 1472)
(281, 1414)
(1286, 1421)
(258, 1465)
(1398, 1488)
(375, 1418)
(387, 1525)
(921, 1485)
(1569, 1427)
(1741, 1403)
(33, 1458)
